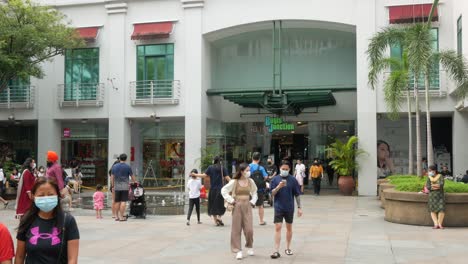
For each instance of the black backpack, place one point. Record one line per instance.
(257, 177)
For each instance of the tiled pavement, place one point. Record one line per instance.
(334, 229)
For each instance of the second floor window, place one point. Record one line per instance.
(155, 62)
(18, 90)
(397, 52)
(155, 71)
(81, 74)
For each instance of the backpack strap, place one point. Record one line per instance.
(65, 218)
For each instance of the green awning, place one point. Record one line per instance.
(287, 102)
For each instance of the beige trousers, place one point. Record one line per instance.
(242, 220)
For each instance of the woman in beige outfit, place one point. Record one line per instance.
(241, 193)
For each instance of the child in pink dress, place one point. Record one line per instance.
(98, 198)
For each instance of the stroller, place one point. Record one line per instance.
(138, 203)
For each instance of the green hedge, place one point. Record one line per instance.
(410, 183)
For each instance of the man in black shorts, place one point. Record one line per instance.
(284, 189)
(120, 180)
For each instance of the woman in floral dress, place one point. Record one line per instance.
(436, 203)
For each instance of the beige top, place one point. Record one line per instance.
(242, 191)
(228, 195)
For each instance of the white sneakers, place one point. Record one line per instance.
(250, 252)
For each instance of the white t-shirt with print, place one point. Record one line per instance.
(194, 187)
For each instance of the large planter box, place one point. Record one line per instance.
(411, 208)
(382, 187)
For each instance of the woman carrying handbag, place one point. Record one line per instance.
(218, 175)
(241, 195)
(436, 203)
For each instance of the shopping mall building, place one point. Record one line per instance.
(162, 79)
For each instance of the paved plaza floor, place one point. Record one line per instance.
(334, 229)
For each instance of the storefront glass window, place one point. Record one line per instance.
(17, 142)
(86, 145)
(161, 148)
(289, 140)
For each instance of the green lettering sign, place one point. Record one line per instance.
(278, 124)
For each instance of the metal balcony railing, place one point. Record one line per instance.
(150, 92)
(81, 94)
(17, 96)
(439, 84)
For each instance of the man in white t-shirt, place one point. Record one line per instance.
(194, 185)
(299, 173)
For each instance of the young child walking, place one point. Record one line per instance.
(98, 198)
(194, 185)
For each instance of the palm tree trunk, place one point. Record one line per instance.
(418, 130)
(410, 135)
(430, 149)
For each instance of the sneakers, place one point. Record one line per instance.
(239, 255)
(250, 252)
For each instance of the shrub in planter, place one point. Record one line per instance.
(409, 183)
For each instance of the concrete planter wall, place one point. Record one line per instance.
(382, 187)
(379, 182)
(411, 208)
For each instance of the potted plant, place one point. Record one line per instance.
(344, 162)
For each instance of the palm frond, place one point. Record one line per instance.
(377, 48)
(394, 86)
(456, 67)
(418, 44)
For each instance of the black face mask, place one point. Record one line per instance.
(49, 164)
(269, 163)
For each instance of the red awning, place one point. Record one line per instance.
(411, 13)
(152, 30)
(88, 33)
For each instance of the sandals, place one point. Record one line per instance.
(6, 205)
(275, 255)
(288, 252)
(262, 224)
(219, 222)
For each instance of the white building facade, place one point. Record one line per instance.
(163, 79)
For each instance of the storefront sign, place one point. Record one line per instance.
(66, 133)
(278, 124)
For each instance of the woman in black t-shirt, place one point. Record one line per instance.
(46, 234)
(218, 176)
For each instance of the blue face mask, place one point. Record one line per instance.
(46, 203)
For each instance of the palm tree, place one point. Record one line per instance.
(416, 42)
(455, 66)
(395, 84)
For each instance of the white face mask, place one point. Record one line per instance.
(34, 166)
(284, 173)
(247, 174)
(431, 173)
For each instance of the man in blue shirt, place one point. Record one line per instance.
(285, 189)
(120, 180)
(256, 169)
